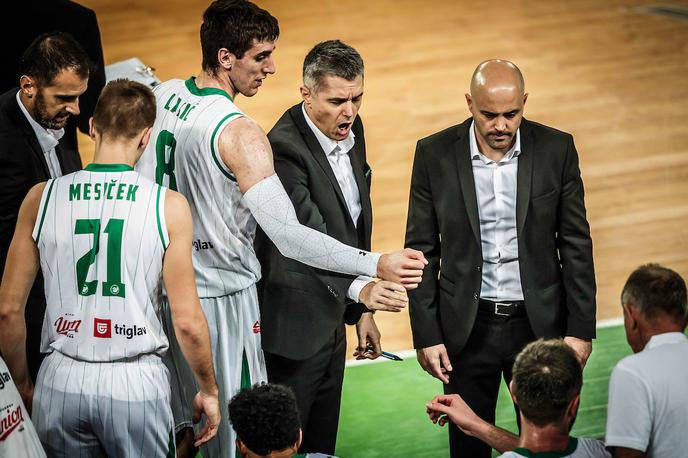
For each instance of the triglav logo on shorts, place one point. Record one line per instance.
(102, 328)
(66, 327)
(256, 327)
(201, 245)
(10, 421)
(4, 379)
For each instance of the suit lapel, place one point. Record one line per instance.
(316, 150)
(466, 180)
(357, 161)
(524, 177)
(30, 135)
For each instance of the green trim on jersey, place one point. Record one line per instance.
(218, 163)
(245, 372)
(108, 168)
(157, 218)
(171, 446)
(45, 208)
(202, 91)
(570, 448)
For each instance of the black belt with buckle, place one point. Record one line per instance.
(502, 308)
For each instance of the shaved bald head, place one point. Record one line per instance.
(495, 73)
(496, 102)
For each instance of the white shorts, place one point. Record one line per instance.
(234, 324)
(85, 409)
(17, 434)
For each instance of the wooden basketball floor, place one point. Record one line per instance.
(609, 73)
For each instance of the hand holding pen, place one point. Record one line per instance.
(384, 354)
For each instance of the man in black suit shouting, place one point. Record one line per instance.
(320, 157)
(499, 201)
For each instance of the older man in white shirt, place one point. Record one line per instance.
(648, 391)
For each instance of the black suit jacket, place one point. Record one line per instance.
(22, 165)
(301, 306)
(34, 17)
(554, 245)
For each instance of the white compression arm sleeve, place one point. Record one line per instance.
(274, 211)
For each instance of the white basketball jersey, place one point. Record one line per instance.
(101, 235)
(17, 435)
(183, 154)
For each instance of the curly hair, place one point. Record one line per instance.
(265, 417)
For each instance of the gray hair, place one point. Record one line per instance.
(655, 290)
(334, 58)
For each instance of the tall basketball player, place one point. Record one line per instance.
(105, 237)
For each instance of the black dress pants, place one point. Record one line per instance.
(488, 356)
(317, 383)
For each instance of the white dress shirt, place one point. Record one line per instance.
(495, 189)
(48, 139)
(337, 153)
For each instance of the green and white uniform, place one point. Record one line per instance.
(101, 236)
(183, 154)
(17, 435)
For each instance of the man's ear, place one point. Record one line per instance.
(511, 390)
(525, 98)
(631, 315)
(306, 95)
(572, 409)
(27, 86)
(91, 129)
(243, 450)
(469, 102)
(225, 58)
(145, 138)
(300, 439)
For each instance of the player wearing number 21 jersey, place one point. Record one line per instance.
(106, 237)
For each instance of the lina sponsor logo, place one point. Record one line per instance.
(10, 421)
(4, 379)
(67, 327)
(102, 328)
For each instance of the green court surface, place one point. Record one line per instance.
(383, 405)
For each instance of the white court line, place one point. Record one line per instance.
(406, 354)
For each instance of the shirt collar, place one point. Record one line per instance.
(666, 338)
(47, 138)
(514, 151)
(328, 145)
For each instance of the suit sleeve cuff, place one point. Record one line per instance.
(356, 286)
(583, 329)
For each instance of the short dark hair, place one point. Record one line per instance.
(265, 417)
(234, 24)
(334, 58)
(124, 109)
(546, 377)
(51, 53)
(656, 290)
